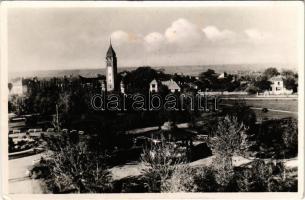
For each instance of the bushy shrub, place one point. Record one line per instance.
(252, 89)
(265, 176)
(224, 171)
(161, 160)
(182, 179)
(278, 138)
(290, 137)
(229, 137)
(72, 168)
(242, 112)
(205, 180)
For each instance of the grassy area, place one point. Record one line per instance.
(277, 104)
(274, 106)
(273, 115)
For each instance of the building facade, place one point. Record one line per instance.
(277, 86)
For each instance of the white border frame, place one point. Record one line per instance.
(4, 100)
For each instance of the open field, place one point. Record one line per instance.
(273, 115)
(277, 108)
(276, 104)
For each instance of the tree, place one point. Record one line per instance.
(74, 168)
(263, 84)
(64, 102)
(287, 73)
(10, 86)
(138, 80)
(251, 89)
(209, 77)
(183, 179)
(161, 160)
(228, 141)
(290, 84)
(290, 136)
(228, 137)
(270, 72)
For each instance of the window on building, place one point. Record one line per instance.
(278, 83)
(153, 85)
(278, 88)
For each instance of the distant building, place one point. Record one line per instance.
(277, 86)
(111, 69)
(155, 85)
(222, 75)
(16, 87)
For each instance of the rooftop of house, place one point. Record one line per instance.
(276, 78)
(169, 83)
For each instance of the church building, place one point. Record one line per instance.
(111, 70)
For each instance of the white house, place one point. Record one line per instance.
(277, 86)
(154, 85)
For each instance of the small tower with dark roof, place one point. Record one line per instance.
(111, 69)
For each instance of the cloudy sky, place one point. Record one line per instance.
(69, 38)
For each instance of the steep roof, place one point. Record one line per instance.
(171, 84)
(110, 52)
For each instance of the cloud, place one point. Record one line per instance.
(185, 36)
(121, 37)
(214, 34)
(154, 41)
(256, 35)
(183, 32)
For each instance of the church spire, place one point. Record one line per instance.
(110, 52)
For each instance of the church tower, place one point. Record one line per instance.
(111, 69)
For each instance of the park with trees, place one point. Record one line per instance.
(234, 151)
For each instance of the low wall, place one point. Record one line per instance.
(24, 153)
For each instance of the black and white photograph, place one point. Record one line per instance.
(146, 97)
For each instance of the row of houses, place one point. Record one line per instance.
(277, 86)
(19, 86)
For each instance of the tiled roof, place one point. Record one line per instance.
(171, 84)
